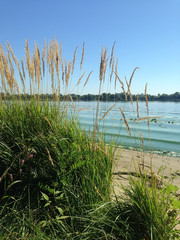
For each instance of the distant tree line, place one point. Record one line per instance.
(103, 97)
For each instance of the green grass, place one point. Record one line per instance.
(61, 185)
(45, 152)
(55, 179)
(62, 153)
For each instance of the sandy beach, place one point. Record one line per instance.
(126, 161)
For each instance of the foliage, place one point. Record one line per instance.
(106, 97)
(45, 151)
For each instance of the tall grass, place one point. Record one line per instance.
(142, 212)
(55, 179)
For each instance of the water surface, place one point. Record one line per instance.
(162, 136)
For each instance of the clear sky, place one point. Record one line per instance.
(147, 35)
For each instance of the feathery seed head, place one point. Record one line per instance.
(74, 59)
(82, 58)
(81, 78)
(88, 78)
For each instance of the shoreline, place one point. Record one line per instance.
(157, 152)
(127, 161)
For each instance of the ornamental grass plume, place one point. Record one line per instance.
(74, 59)
(112, 55)
(87, 78)
(81, 78)
(82, 58)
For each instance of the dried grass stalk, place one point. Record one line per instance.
(112, 55)
(32, 68)
(56, 96)
(107, 112)
(81, 109)
(104, 151)
(2, 69)
(52, 69)
(137, 107)
(146, 118)
(88, 78)
(129, 84)
(97, 191)
(68, 74)
(17, 87)
(43, 58)
(129, 91)
(65, 63)
(22, 66)
(47, 120)
(74, 59)
(82, 58)
(62, 69)
(116, 73)
(106, 60)
(132, 76)
(125, 121)
(141, 137)
(50, 159)
(17, 64)
(37, 65)
(81, 78)
(89, 133)
(48, 54)
(147, 107)
(14, 82)
(11, 65)
(12, 53)
(112, 69)
(21, 77)
(72, 102)
(122, 85)
(57, 60)
(102, 73)
(146, 97)
(103, 64)
(101, 77)
(60, 51)
(7, 72)
(59, 87)
(28, 58)
(142, 141)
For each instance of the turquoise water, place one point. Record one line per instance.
(164, 132)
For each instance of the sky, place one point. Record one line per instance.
(147, 35)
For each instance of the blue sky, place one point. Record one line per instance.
(147, 35)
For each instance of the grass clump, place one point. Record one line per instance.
(40, 146)
(47, 160)
(141, 213)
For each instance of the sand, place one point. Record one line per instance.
(126, 161)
